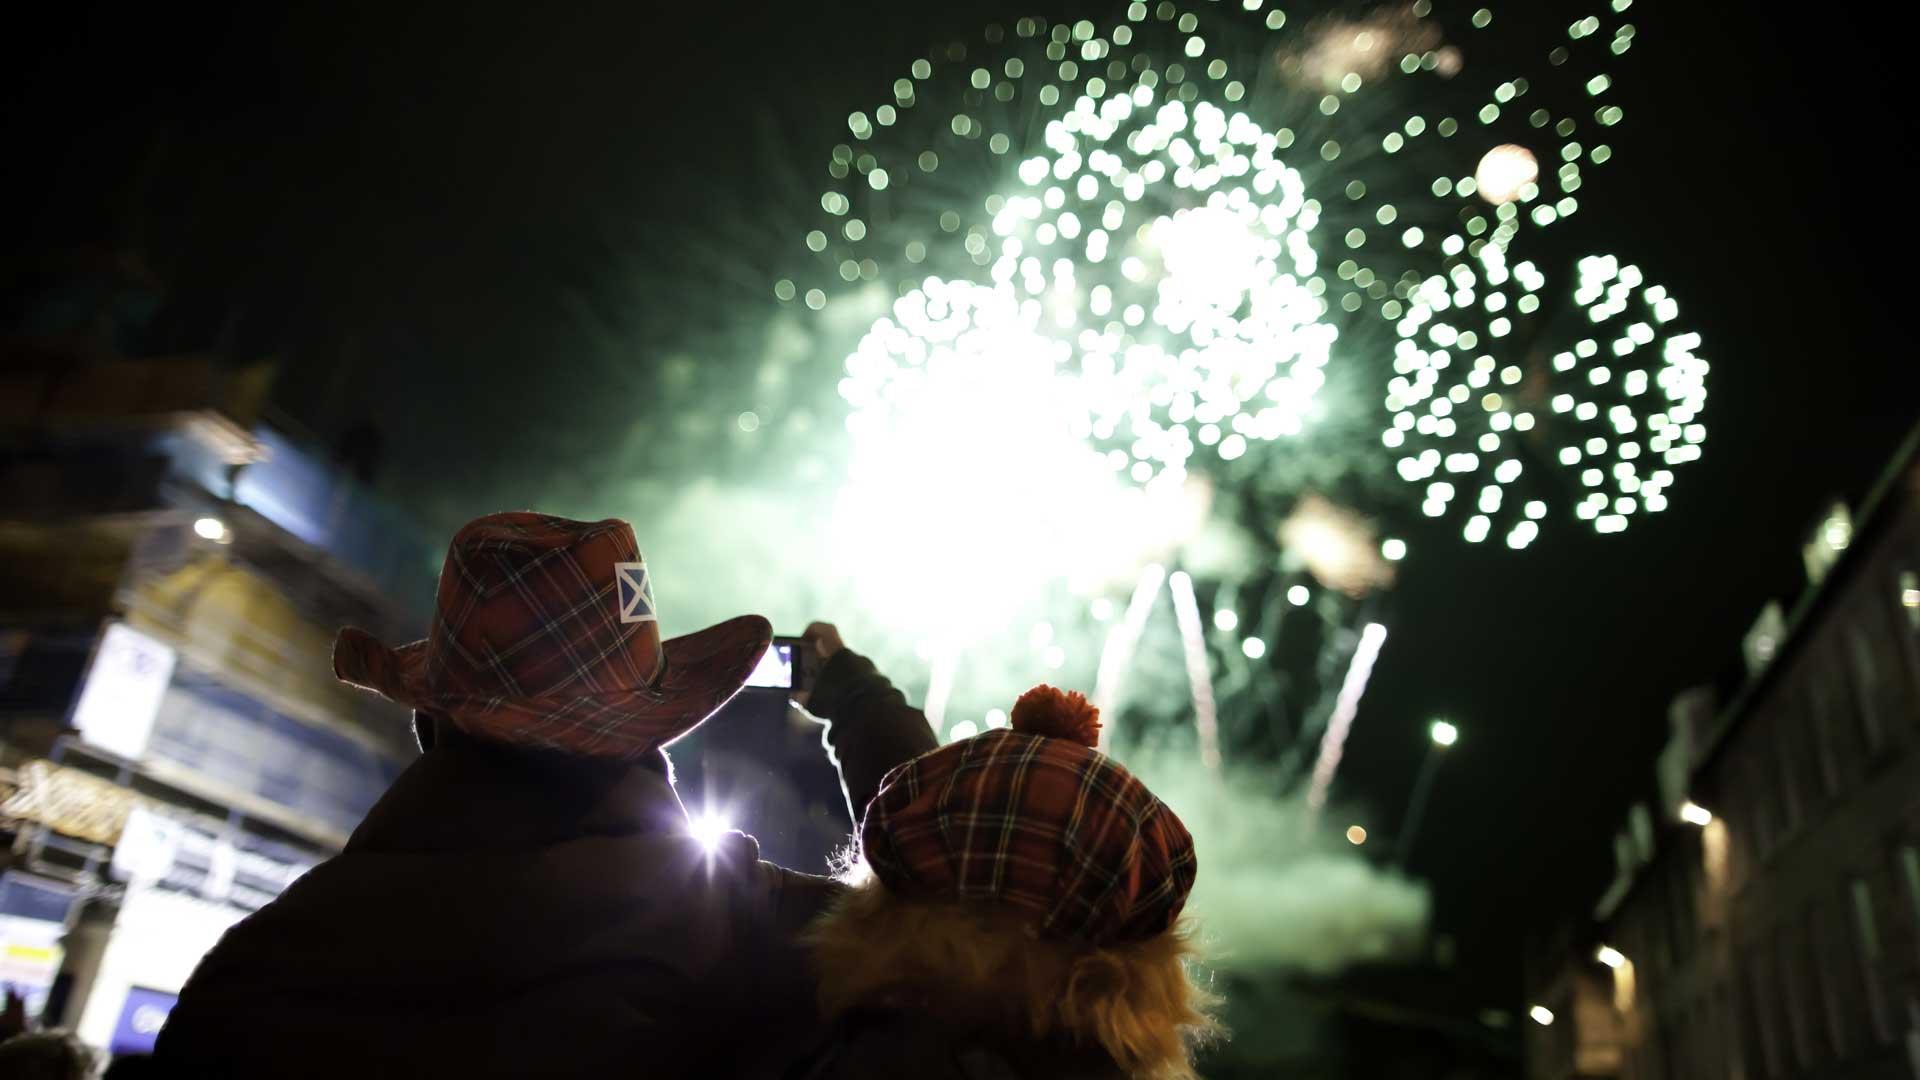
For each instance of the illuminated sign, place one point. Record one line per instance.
(141, 1018)
(122, 694)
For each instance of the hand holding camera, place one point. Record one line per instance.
(792, 664)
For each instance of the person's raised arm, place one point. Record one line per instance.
(870, 728)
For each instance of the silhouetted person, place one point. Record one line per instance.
(1019, 917)
(133, 1067)
(45, 1055)
(527, 898)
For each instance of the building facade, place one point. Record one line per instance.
(173, 749)
(1765, 920)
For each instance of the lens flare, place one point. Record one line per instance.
(708, 828)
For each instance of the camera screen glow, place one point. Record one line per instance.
(775, 669)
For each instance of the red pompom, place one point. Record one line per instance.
(1061, 714)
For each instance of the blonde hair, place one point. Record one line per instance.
(1137, 1001)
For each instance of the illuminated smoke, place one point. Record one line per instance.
(1277, 889)
(1336, 546)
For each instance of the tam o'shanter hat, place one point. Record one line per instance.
(545, 635)
(1032, 818)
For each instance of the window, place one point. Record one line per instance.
(1680, 914)
(1866, 946)
(1793, 984)
(1908, 867)
(1733, 1052)
(1763, 1009)
(1765, 807)
(1737, 826)
(1706, 1040)
(1788, 759)
(1829, 964)
(1869, 692)
(1906, 630)
(1820, 720)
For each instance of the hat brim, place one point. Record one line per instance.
(703, 671)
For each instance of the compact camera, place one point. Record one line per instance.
(787, 666)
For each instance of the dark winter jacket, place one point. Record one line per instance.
(500, 914)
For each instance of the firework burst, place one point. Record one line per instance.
(1203, 210)
(1106, 271)
(1611, 392)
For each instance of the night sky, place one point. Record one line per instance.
(421, 209)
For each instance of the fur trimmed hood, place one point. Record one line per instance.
(974, 967)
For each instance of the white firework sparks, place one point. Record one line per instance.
(1159, 200)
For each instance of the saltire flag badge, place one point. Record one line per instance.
(635, 588)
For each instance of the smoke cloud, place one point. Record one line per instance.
(1278, 889)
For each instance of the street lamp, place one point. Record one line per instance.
(1610, 956)
(1541, 1015)
(1440, 736)
(1694, 814)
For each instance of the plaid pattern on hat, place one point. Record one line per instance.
(527, 609)
(1041, 824)
(545, 635)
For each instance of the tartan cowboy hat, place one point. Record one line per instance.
(545, 635)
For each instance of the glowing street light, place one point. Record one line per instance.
(1441, 735)
(1356, 835)
(1541, 1015)
(210, 528)
(1611, 957)
(1694, 814)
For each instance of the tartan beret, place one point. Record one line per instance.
(1034, 818)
